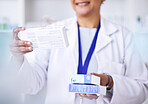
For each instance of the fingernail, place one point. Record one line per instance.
(88, 95)
(82, 94)
(23, 28)
(30, 48)
(28, 43)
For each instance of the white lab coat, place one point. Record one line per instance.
(115, 56)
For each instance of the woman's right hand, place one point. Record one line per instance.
(19, 47)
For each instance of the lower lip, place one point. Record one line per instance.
(86, 4)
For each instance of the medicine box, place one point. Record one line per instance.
(46, 37)
(80, 88)
(85, 79)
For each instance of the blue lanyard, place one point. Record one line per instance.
(82, 69)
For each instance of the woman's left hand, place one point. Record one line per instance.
(89, 96)
(103, 82)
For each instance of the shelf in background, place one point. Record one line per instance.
(6, 31)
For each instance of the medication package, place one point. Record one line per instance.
(86, 84)
(46, 37)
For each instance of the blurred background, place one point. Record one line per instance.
(132, 14)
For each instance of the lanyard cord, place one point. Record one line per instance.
(82, 69)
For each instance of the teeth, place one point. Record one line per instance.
(82, 4)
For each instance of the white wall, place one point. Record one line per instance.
(9, 9)
(60, 9)
(113, 7)
(128, 9)
(56, 9)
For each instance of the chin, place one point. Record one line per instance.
(82, 13)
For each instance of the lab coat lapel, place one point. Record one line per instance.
(72, 31)
(73, 42)
(75, 45)
(104, 37)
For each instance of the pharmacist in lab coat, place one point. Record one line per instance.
(113, 59)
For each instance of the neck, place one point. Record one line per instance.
(89, 22)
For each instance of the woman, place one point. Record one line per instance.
(112, 53)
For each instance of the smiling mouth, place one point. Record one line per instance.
(82, 3)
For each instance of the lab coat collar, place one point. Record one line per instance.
(104, 37)
(107, 27)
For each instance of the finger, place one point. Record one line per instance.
(104, 78)
(92, 96)
(21, 49)
(24, 43)
(88, 73)
(82, 94)
(94, 74)
(86, 96)
(77, 94)
(20, 43)
(89, 96)
(16, 31)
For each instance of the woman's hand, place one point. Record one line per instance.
(19, 47)
(104, 80)
(89, 96)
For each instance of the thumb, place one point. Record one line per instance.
(16, 31)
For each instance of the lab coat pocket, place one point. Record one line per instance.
(113, 68)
